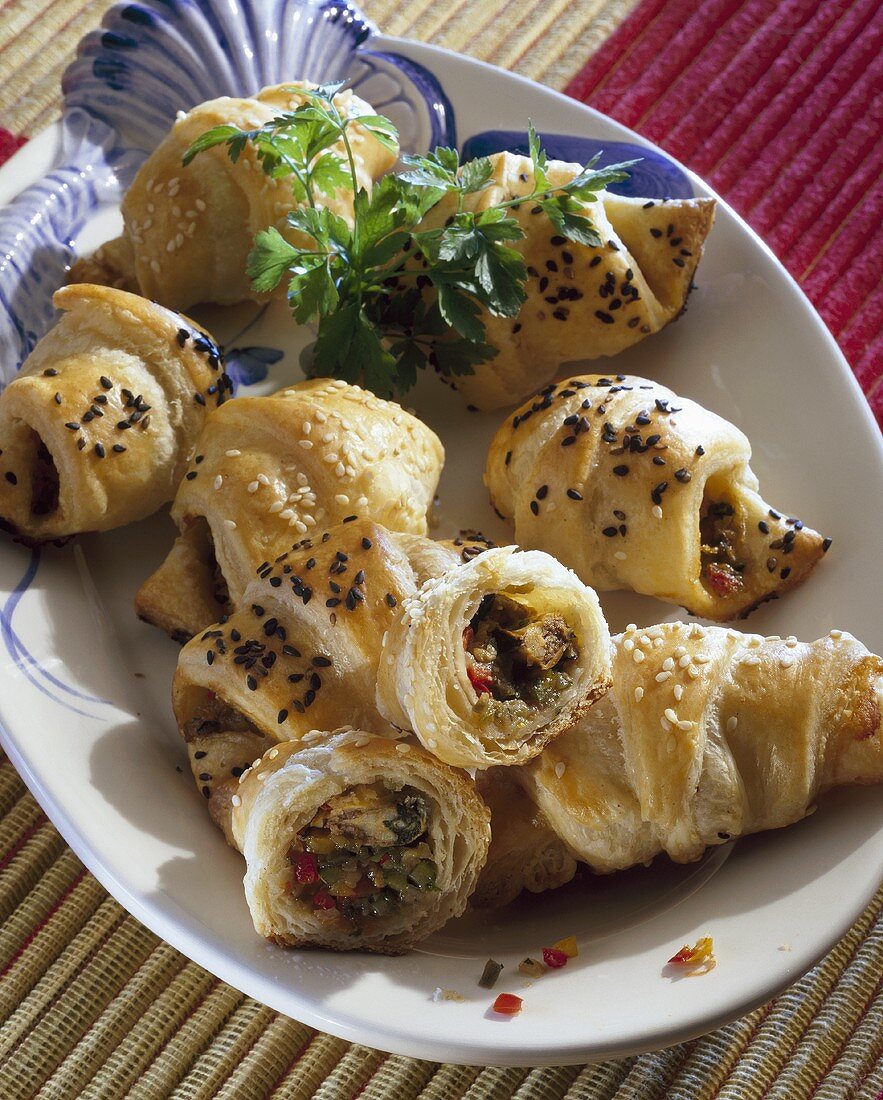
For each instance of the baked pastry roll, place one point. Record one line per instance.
(490, 662)
(637, 488)
(302, 650)
(525, 853)
(707, 735)
(582, 302)
(268, 470)
(357, 841)
(189, 230)
(97, 427)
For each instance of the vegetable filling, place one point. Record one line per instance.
(517, 660)
(214, 716)
(364, 854)
(44, 482)
(722, 567)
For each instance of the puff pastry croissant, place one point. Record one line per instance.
(188, 231)
(489, 663)
(582, 302)
(706, 735)
(267, 470)
(357, 841)
(637, 488)
(302, 650)
(97, 427)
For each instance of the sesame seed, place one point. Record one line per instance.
(639, 694)
(678, 692)
(732, 723)
(560, 769)
(661, 677)
(671, 716)
(638, 656)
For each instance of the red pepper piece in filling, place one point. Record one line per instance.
(481, 681)
(507, 1004)
(306, 867)
(723, 580)
(323, 900)
(554, 958)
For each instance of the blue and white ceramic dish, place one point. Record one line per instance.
(84, 710)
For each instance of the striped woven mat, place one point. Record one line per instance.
(773, 101)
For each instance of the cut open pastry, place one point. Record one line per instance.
(357, 841)
(97, 426)
(489, 663)
(582, 302)
(269, 470)
(635, 487)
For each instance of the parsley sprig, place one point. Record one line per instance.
(364, 285)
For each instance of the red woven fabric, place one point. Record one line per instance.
(9, 142)
(778, 104)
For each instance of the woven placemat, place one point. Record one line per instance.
(94, 1005)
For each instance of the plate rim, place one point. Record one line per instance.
(226, 967)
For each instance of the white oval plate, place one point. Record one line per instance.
(85, 714)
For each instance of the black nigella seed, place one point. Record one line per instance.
(785, 573)
(182, 336)
(321, 662)
(700, 451)
(620, 471)
(542, 492)
(610, 532)
(50, 372)
(209, 657)
(99, 450)
(199, 399)
(763, 527)
(251, 683)
(655, 232)
(574, 495)
(391, 600)
(189, 476)
(105, 382)
(534, 507)
(826, 543)
(682, 475)
(73, 425)
(281, 716)
(199, 754)
(275, 582)
(658, 460)
(11, 478)
(366, 544)
(604, 317)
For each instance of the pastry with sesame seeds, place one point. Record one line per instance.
(489, 663)
(713, 736)
(583, 302)
(302, 649)
(188, 230)
(268, 471)
(357, 841)
(637, 488)
(97, 426)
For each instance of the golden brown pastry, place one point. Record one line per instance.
(582, 302)
(269, 470)
(357, 841)
(188, 231)
(706, 735)
(490, 662)
(637, 488)
(525, 852)
(302, 650)
(97, 427)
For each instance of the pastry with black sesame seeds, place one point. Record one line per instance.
(490, 662)
(269, 470)
(97, 427)
(583, 302)
(706, 735)
(648, 491)
(302, 653)
(357, 841)
(188, 229)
